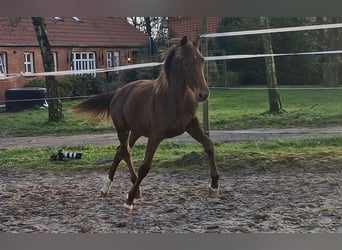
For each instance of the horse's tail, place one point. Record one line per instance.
(95, 107)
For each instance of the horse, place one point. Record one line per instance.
(157, 109)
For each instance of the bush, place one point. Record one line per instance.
(80, 85)
(36, 83)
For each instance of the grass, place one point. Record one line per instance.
(35, 122)
(228, 109)
(185, 156)
(238, 109)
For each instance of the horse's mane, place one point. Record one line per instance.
(162, 82)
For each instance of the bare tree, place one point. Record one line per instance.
(55, 105)
(274, 97)
(155, 27)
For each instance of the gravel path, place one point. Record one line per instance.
(216, 135)
(286, 198)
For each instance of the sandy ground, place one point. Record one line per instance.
(252, 199)
(286, 198)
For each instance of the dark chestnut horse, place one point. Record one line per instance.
(157, 109)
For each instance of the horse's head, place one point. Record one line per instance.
(185, 64)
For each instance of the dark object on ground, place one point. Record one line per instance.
(61, 155)
(23, 98)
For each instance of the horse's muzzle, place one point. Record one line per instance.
(203, 96)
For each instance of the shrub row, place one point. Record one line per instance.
(84, 85)
(78, 85)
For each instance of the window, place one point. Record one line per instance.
(135, 56)
(116, 59)
(110, 59)
(3, 68)
(28, 63)
(55, 65)
(83, 61)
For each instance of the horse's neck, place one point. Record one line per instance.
(183, 98)
(174, 89)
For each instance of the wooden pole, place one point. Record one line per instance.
(204, 51)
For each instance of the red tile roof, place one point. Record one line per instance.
(90, 32)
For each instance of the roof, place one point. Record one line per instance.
(76, 32)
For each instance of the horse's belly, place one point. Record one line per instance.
(176, 129)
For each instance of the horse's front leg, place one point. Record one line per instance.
(196, 131)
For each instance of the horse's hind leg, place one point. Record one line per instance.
(195, 130)
(109, 181)
(122, 152)
(127, 154)
(143, 170)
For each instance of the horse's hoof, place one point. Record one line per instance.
(213, 192)
(103, 194)
(128, 208)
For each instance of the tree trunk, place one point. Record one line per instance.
(55, 104)
(275, 105)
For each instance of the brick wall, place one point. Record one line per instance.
(190, 26)
(15, 62)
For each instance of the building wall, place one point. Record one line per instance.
(191, 26)
(15, 62)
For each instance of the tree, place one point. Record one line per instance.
(330, 39)
(296, 70)
(274, 97)
(247, 71)
(55, 105)
(291, 70)
(155, 28)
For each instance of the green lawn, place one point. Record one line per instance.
(228, 109)
(234, 109)
(181, 156)
(35, 122)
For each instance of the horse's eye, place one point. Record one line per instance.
(199, 59)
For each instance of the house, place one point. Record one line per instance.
(191, 26)
(77, 44)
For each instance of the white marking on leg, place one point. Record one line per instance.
(108, 183)
(129, 207)
(213, 192)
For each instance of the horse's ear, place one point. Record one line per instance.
(197, 41)
(184, 40)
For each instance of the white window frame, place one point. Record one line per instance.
(55, 65)
(83, 61)
(3, 66)
(116, 58)
(28, 62)
(109, 59)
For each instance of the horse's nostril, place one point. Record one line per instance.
(202, 97)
